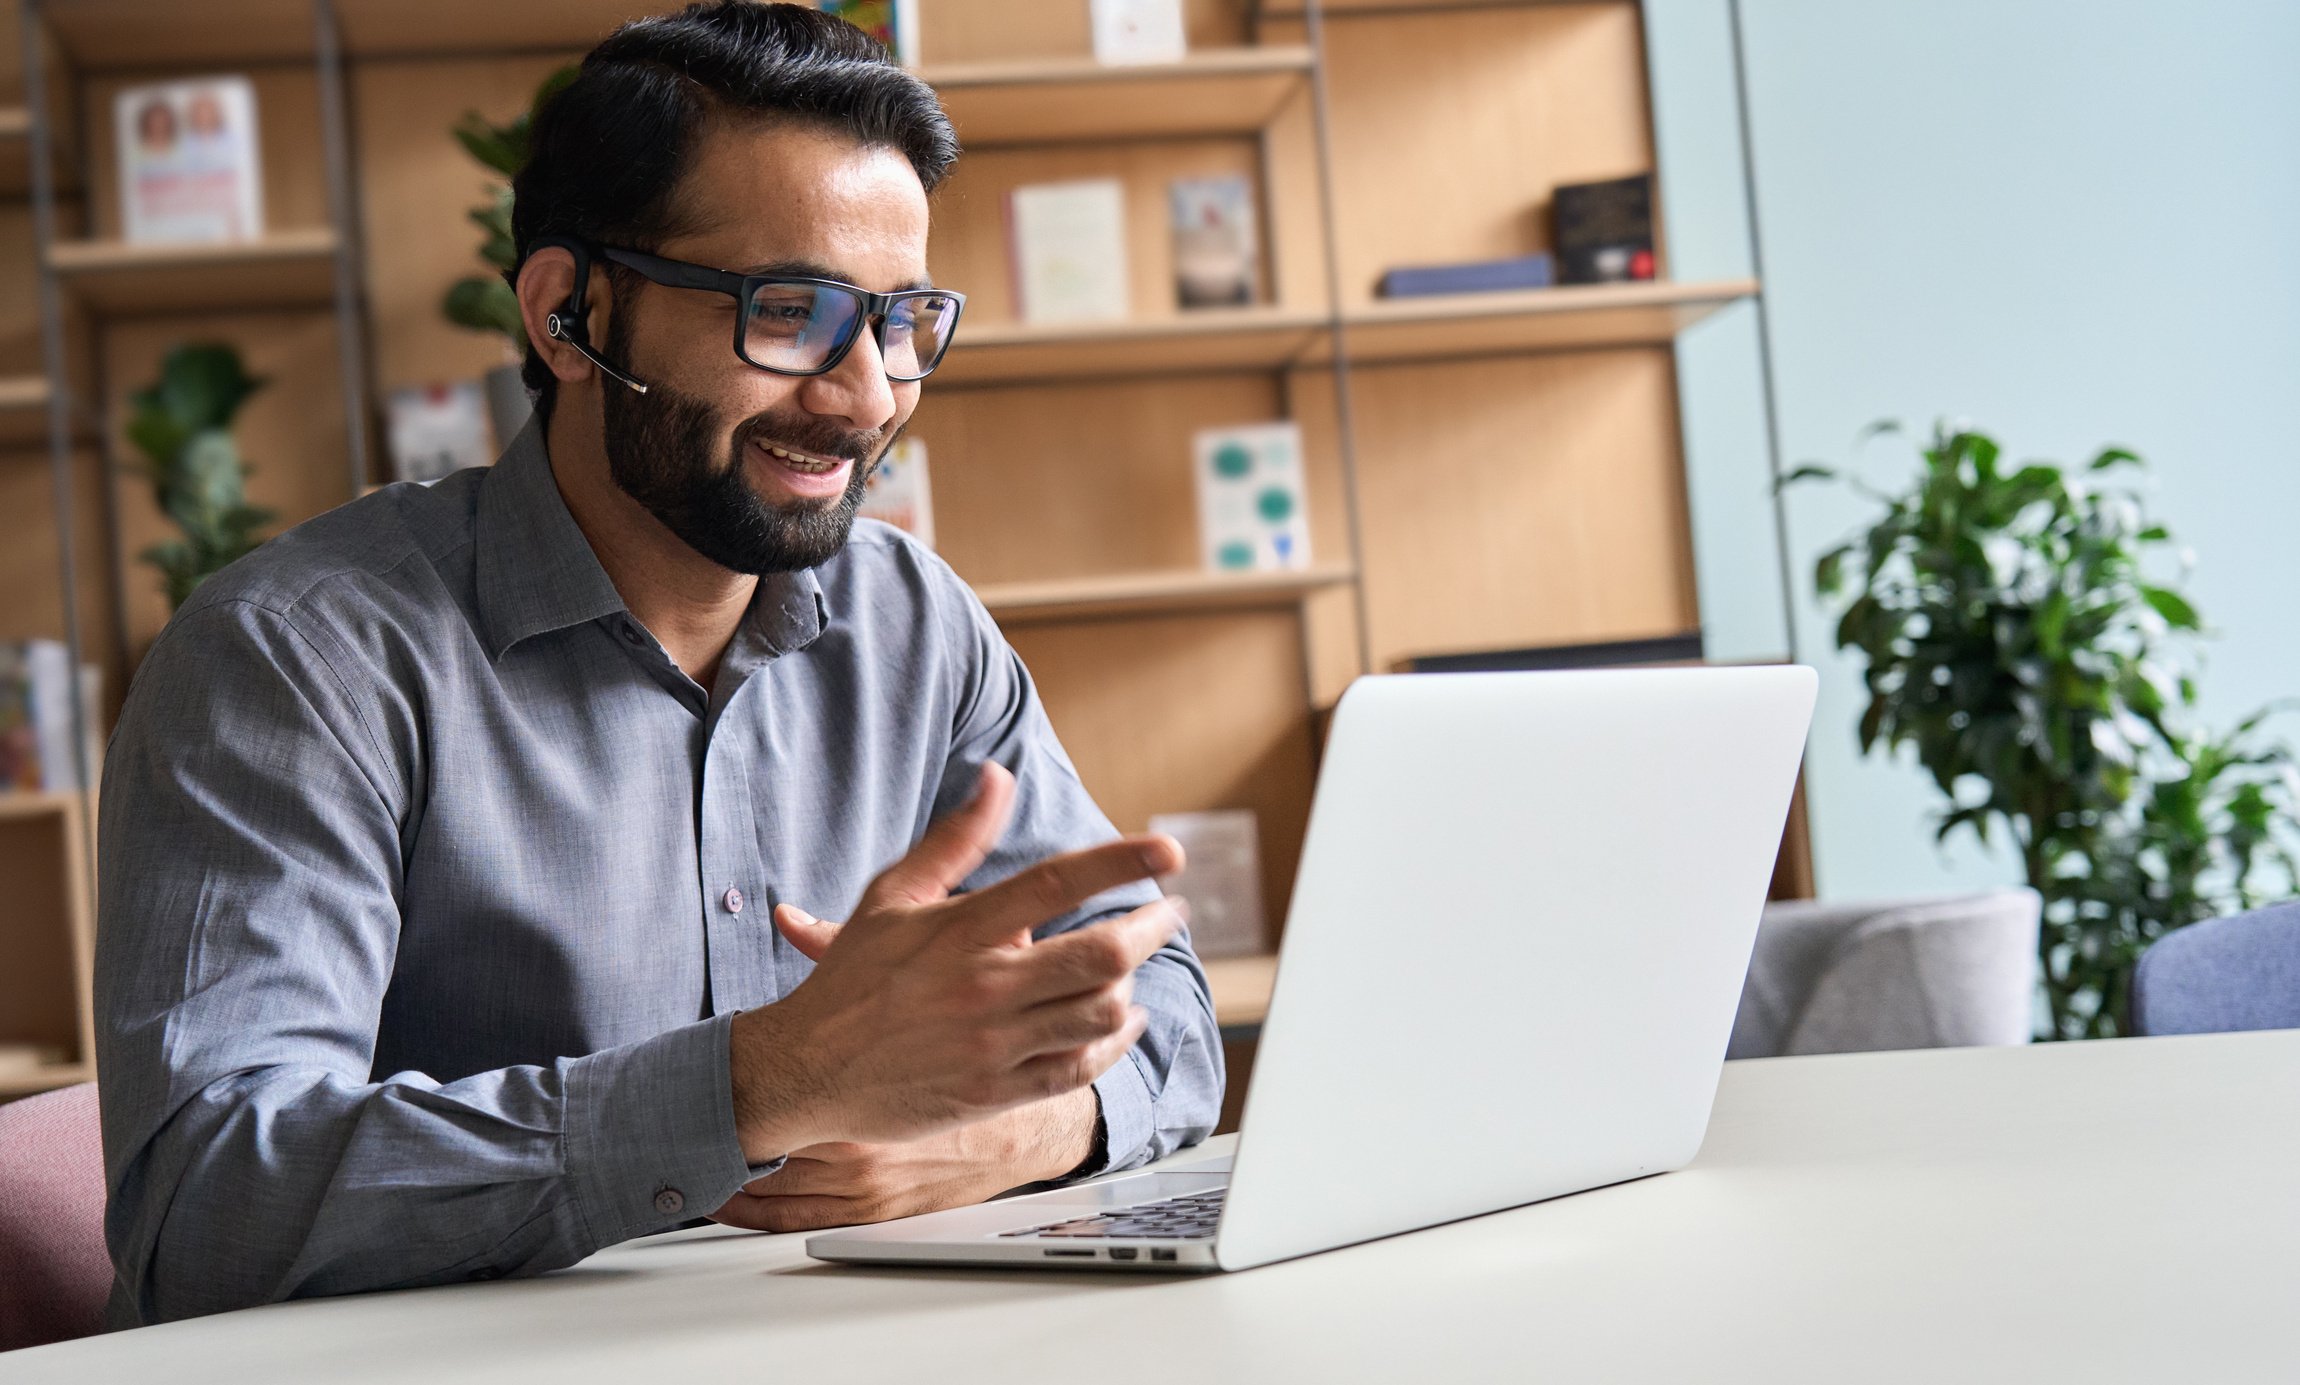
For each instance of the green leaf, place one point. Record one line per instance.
(2173, 607)
(1810, 471)
(2114, 457)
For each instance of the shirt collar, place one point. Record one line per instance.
(537, 573)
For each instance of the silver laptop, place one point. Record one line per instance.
(1517, 938)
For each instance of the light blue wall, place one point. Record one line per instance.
(2068, 221)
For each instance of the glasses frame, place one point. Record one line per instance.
(679, 274)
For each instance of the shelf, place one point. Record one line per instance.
(109, 34)
(23, 418)
(1210, 339)
(1228, 91)
(19, 804)
(1155, 593)
(1571, 317)
(289, 269)
(1241, 987)
(15, 151)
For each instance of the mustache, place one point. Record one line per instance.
(807, 433)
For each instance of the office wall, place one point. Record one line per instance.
(2069, 221)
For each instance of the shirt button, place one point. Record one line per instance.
(670, 1202)
(632, 634)
(733, 899)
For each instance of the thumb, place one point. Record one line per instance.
(811, 936)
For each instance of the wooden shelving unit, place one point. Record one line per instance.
(1505, 474)
(15, 151)
(288, 269)
(1241, 987)
(47, 937)
(24, 410)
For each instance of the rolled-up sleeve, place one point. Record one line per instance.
(250, 884)
(1166, 1093)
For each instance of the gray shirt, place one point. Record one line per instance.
(430, 886)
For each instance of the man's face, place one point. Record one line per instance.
(761, 472)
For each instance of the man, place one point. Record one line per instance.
(440, 836)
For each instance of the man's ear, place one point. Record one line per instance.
(546, 282)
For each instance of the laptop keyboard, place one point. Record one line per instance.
(1187, 1218)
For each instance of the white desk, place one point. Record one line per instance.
(2084, 1213)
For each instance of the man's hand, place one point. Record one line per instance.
(850, 1184)
(927, 1011)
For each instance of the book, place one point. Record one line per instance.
(1214, 245)
(1068, 242)
(36, 691)
(1221, 876)
(1603, 232)
(1129, 32)
(436, 429)
(898, 491)
(892, 22)
(1537, 271)
(1251, 515)
(190, 167)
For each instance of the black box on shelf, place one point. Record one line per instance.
(1603, 231)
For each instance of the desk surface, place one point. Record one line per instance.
(2125, 1210)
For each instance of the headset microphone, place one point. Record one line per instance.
(558, 327)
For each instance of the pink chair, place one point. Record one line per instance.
(54, 1270)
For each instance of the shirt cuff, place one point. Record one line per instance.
(650, 1130)
(1127, 1121)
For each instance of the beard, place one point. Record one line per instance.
(663, 451)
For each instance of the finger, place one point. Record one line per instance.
(1063, 1025)
(952, 847)
(1087, 959)
(1052, 888)
(811, 936)
(1053, 1074)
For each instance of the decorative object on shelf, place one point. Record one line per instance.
(1131, 32)
(1069, 249)
(1215, 251)
(190, 168)
(1221, 876)
(436, 429)
(2017, 643)
(893, 23)
(486, 303)
(1603, 232)
(898, 491)
(1250, 509)
(1535, 271)
(36, 686)
(183, 427)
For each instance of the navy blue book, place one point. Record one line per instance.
(1485, 276)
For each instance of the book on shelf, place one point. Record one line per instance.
(438, 428)
(1251, 515)
(1215, 251)
(1603, 232)
(1068, 242)
(190, 167)
(1132, 32)
(1536, 271)
(1221, 876)
(893, 23)
(36, 691)
(898, 491)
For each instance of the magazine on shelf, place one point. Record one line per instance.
(36, 690)
(892, 22)
(1214, 245)
(898, 491)
(1128, 32)
(1221, 877)
(436, 429)
(190, 167)
(1068, 242)
(1250, 508)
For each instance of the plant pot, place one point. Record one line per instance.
(508, 407)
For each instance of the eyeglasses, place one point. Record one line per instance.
(796, 325)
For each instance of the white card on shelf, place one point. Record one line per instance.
(190, 166)
(1132, 32)
(1069, 244)
(1251, 512)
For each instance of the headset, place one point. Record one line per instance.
(567, 323)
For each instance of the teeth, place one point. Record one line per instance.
(800, 463)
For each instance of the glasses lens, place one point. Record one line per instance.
(917, 330)
(799, 326)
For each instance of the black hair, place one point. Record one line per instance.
(608, 150)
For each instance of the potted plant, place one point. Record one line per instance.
(182, 425)
(486, 303)
(2021, 636)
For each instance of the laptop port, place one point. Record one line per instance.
(1123, 1252)
(1162, 1253)
(1076, 1254)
